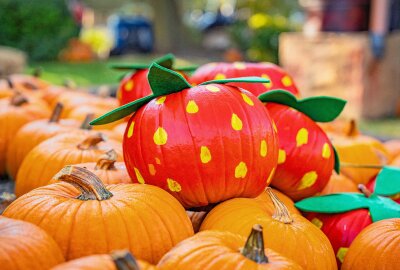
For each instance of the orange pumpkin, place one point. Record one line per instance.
(34, 133)
(50, 156)
(26, 82)
(26, 246)
(287, 233)
(86, 218)
(120, 129)
(268, 206)
(393, 147)
(339, 183)
(15, 112)
(376, 247)
(396, 162)
(116, 261)
(211, 250)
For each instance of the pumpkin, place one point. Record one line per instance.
(14, 113)
(33, 133)
(372, 184)
(357, 152)
(342, 216)
(24, 82)
(288, 233)
(107, 169)
(203, 144)
(50, 156)
(211, 250)
(122, 260)
(26, 246)
(393, 148)
(134, 85)
(119, 130)
(268, 206)
(396, 162)
(306, 157)
(339, 183)
(85, 217)
(279, 79)
(376, 247)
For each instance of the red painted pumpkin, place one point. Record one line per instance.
(279, 79)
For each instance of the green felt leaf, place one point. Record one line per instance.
(333, 203)
(320, 109)
(251, 79)
(383, 208)
(337, 160)
(122, 111)
(164, 81)
(165, 61)
(186, 68)
(388, 181)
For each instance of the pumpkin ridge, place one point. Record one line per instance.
(72, 225)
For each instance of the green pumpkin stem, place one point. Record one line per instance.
(86, 122)
(91, 141)
(364, 190)
(281, 213)
(88, 183)
(124, 260)
(107, 161)
(56, 114)
(254, 247)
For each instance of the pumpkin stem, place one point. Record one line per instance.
(107, 161)
(360, 166)
(281, 213)
(254, 247)
(353, 129)
(87, 182)
(91, 141)
(86, 122)
(18, 99)
(367, 193)
(56, 114)
(10, 83)
(124, 260)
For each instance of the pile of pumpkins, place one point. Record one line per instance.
(225, 169)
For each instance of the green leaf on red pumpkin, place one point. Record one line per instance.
(319, 108)
(379, 207)
(388, 181)
(337, 160)
(251, 79)
(164, 81)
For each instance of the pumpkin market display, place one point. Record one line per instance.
(376, 247)
(306, 156)
(278, 78)
(26, 246)
(203, 144)
(290, 234)
(97, 219)
(217, 250)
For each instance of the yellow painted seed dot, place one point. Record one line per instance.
(317, 222)
(205, 154)
(139, 176)
(220, 76)
(272, 173)
(263, 148)
(247, 99)
(269, 84)
(236, 122)
(239, 65)
(160, 137)
(130, 130)
(302, 137)
(173, 185)
(129, 85)
(308, 180)
(341, 253)
(241, 170)
(212, 88)
(192, 107)
(161, 100)
(152, 169)
(326, 151)
(286, 81)
(158, 161)
(281, 156)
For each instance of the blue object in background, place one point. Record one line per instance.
(131, 34)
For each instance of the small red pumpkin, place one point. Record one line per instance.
(279, 79)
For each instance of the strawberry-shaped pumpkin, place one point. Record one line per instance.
(203, 144)
(342, 216)
(306, 156)
(134, 85)
(385, 184)
(279, 79)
